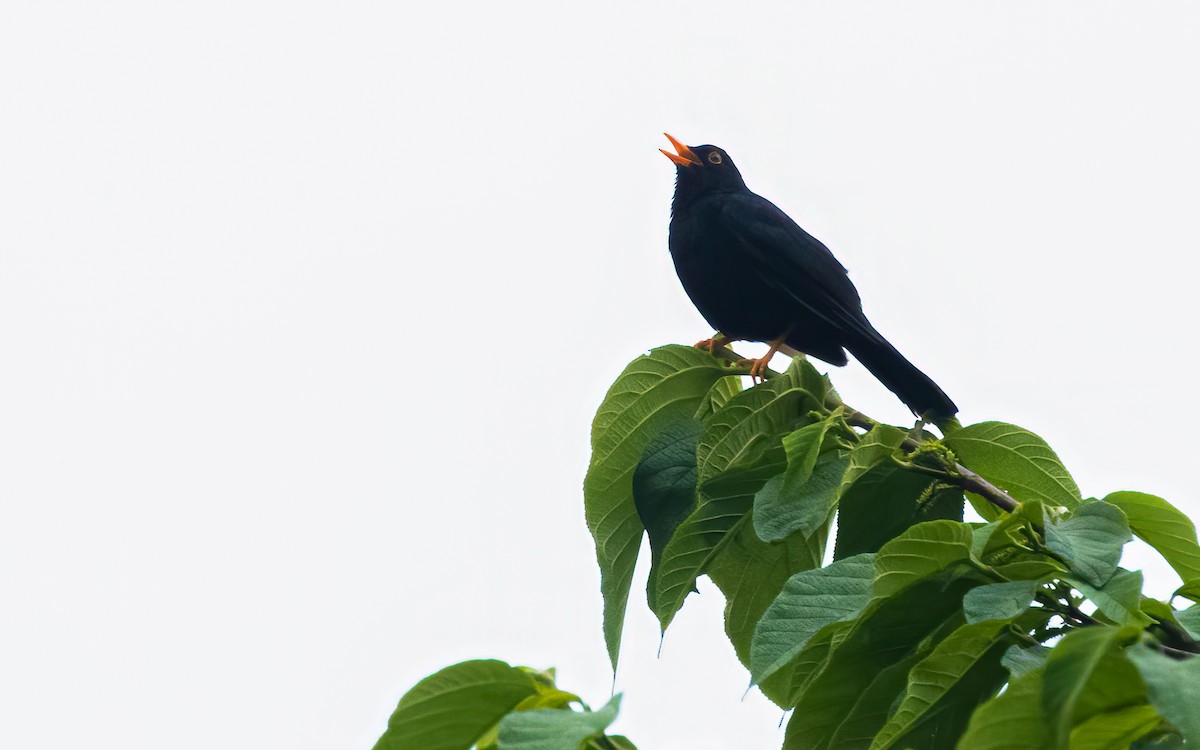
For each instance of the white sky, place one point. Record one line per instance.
(306, 308)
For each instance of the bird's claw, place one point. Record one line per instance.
(711, 345)
(757, 368)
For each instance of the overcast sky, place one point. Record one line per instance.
(306, 308)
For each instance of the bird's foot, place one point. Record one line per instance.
(757, 368)
(711, 345)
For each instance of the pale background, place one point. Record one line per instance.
(305, 310)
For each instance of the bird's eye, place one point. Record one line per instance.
(714, 158)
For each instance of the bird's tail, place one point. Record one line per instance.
(901, 377)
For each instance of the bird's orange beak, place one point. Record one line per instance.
(683, 156)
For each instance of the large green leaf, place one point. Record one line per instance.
(1119, 599)
(920, 552)
(754, 422)
(870, 710)
(655, 390)
(454, 707)
(1013, 720)
(808, 602)
(664, 487)
(738, 451)
(997, 601)
(885, 501)
(1165, 528)
(1173, 685)
(722, 511)
(803, 447)
(719, 395)
(1086, 675)
(962, 670)
(1015, 460)
(782, 509)
(548, 729)
(887, 633)
(751, 573)
(874, 448)
(802, 497)
(1090, 539)
(1115, 730)
(810, 662)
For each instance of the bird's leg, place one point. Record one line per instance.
(759, 366)
(711, 345)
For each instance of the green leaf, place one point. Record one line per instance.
(918, 553)
(664, 486)
(803, 447)
(1013, 720)
(999, 600)
(980, 534)
(1165, 528)
(782, 509)
(1021, 661)
(962, 671)
(1115, 730)
(876, 447)
(1190, 590)
(1086, 675)
(798, 500)
(1016, 460)
(549, 729)
(1190, 620)
(654, 391)
(1008, 545)
(738, 451)
(885, 501)
(810, 662)
(455, 706)
(1090, 539)
(870, 710)
(751, 573)
(548, 696)
(1120, 598)
(808, 602)
(719, 395)
(1013, 534)
(755, 421)
(887, 633)
(1173, 686)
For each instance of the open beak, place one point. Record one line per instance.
(683, 155)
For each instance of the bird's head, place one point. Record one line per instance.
(702, 169)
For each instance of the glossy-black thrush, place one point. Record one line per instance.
(755, 275)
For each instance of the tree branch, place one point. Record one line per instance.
(967, 479)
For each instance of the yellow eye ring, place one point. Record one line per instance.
(714, 158)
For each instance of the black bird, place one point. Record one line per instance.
(755, 275)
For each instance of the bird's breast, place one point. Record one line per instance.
(722, 281)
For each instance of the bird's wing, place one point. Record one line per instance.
(793, 261)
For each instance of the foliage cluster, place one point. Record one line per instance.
(923, 631)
